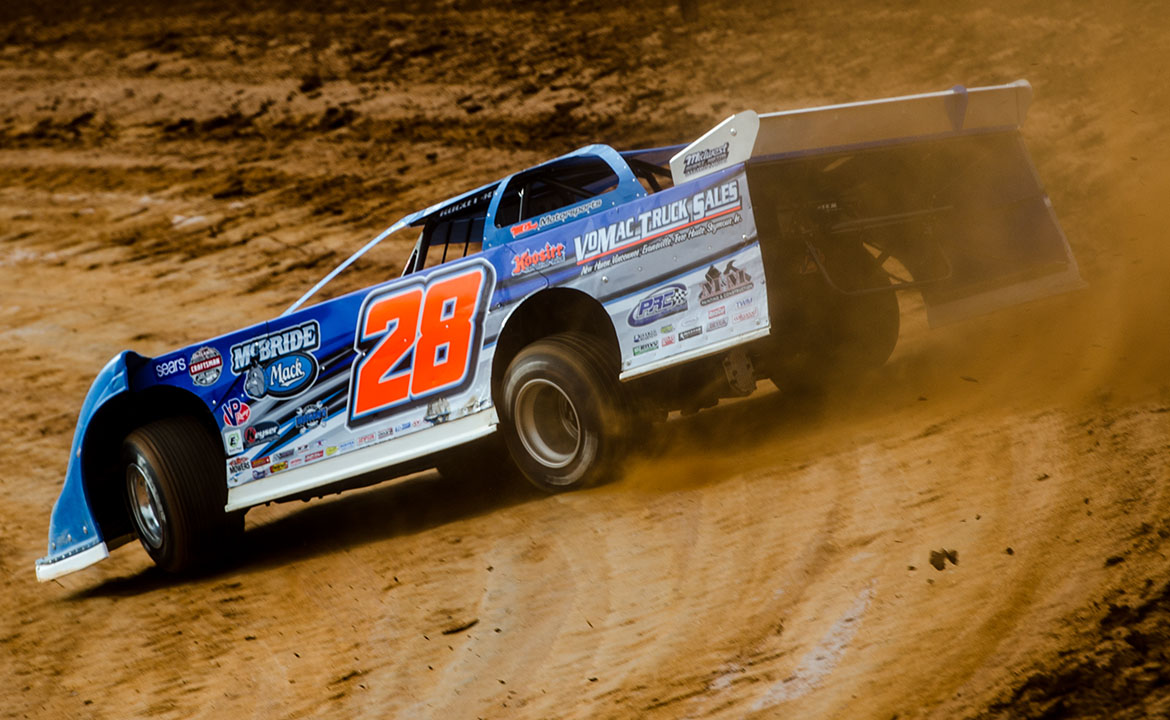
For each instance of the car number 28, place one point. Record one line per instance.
(418, 340)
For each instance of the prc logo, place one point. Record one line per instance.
(661, 303)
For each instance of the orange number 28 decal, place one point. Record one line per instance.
(418, 340)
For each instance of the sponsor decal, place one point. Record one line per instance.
(284, 454)
(530, 261)
(719, 286)
(383, 434)
(278, 467)
(166, 369)
(205, 366)
(745, 316)
(331, 450)
(668, 340)
(645, 335)
(233, 442)
(703, 159)
(366, 439)
(716, 324)
(741, 303)
(666, 329)
(663, 302)
(236, 413)
(661, 223)
(260, 474)
(645, 348)
(466, 203)
(716, 312)
(261, 432)
(261, 461)
(310, 416)
(294, 462)
(239, 464)
(690, 333)
(278, 364)
(346, 446)
(402, 427)
(524, 227)
(315, 456)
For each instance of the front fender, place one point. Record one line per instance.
(75, 540)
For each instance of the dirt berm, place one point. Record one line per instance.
(169, 172)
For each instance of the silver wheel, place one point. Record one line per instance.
(547, 423)
(146, 505)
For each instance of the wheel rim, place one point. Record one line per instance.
(547, 423)
(146, 504)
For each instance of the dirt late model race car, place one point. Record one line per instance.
(562, 306)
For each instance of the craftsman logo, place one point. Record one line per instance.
(264, 349)
(205, 366)
(703, 159)
(690, 333)
(627, 233)
(260, 433)
(661, 303)
(528, 261)
(719, 286)
(310, 416)
(236, 413)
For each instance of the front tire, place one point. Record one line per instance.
(564, 414)
(175, 488)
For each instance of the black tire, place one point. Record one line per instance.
(563, 412)
(176, 492)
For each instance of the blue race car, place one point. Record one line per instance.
(562, 307)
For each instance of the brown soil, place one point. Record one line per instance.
(169, 172)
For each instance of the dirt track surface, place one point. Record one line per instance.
(169, 175)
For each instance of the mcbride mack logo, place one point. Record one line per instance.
(659, 221)
(703, 159)
(265, 348)
(528, 260)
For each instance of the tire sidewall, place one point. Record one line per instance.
(134, 454)
(558, 366)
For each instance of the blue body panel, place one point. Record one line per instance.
(72, 528)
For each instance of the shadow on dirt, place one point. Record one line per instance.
(427, 501)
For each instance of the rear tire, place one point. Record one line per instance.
(564, 414)
(176, 492)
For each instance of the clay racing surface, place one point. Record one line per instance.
(167, 175)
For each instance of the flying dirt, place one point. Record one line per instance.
(169, 175)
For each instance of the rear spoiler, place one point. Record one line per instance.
(941, 183)
(850, 126)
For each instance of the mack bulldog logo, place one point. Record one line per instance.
(641, 228)
(722, 285)
(661, 303)
(703, 159)
(205, 366)
(278, 364)
(528, 261)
